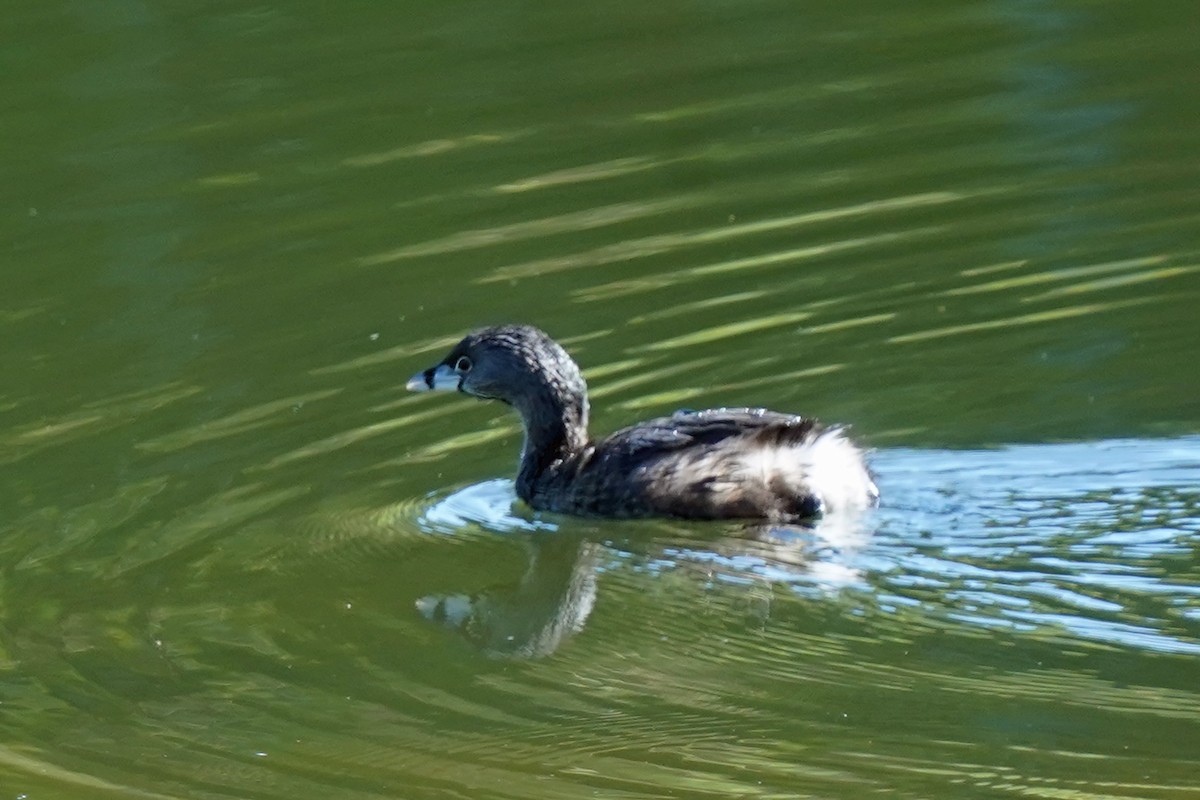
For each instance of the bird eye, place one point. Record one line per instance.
(463, 364)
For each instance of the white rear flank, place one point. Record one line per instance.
(829, 464)
(838, 472)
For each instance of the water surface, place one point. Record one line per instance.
(236, 560)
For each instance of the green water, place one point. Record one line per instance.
(238, 561)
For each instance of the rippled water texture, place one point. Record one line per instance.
(238, 561)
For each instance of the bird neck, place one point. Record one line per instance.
(555, 428)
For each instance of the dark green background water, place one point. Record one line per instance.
(236, 561)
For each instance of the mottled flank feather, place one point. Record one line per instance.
(741, 463)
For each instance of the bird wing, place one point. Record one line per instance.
(698, 429)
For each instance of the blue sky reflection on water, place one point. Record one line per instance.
(1076, 538)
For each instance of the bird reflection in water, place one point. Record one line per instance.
(551, 600)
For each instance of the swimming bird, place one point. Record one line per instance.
(723, 463)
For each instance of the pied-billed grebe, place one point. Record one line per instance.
(725, 463)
